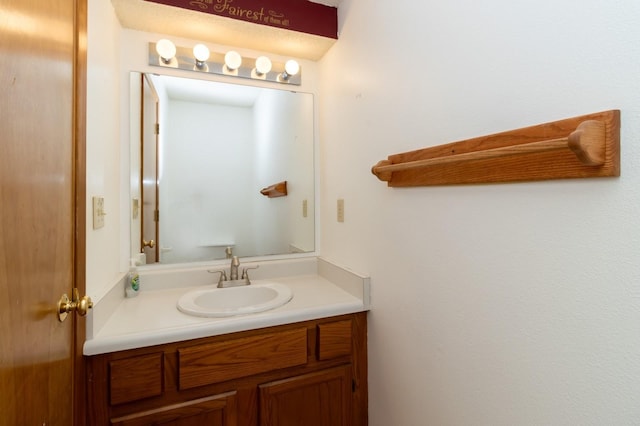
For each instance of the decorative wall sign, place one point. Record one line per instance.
(295, 15)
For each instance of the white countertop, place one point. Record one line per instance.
(152, 318)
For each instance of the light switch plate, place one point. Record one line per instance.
(98, 212)
(135, 205)
(304, 208)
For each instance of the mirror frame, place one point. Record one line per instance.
(133, 134)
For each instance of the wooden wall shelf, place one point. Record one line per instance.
(276, 190)
(578, 147)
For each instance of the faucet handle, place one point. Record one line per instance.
(245, 273)
(228, 252)
(223, 275)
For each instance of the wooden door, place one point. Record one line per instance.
(149, 173)
(316, 399)
(41, 233)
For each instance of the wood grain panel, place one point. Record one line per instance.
(317, 399)
(135, 378)
(80, 193)
(530, 167)
(218, 410)
(218, 362)
(360, 395)
(334, 339)
(38, 231)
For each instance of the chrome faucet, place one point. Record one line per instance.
(234, 280)
(233, 273)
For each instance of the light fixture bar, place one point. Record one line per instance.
(184, 59)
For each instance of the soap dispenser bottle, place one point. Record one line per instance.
(132, 284)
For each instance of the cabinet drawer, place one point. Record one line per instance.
(212, 410)
(217, 362)
(135, 378)
(334, 339)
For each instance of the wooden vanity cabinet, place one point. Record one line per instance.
(311, 373)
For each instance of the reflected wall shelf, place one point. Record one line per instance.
(578, 147)
(276, 190)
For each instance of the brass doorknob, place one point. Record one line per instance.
(79, 305)
(150, 244)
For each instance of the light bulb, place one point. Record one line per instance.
(232, 60)
(201, 53)
(263, 65)
(166, 49)
(291, 67)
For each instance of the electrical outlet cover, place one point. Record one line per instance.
(98, 212)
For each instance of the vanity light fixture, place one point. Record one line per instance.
(232, 60)
(200, 59)
(201, 54)
(166, 50)
(263, 65)
(291, 68)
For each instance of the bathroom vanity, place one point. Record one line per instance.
(307, 373)
(304, 363)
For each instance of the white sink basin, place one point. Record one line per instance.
(224, 302)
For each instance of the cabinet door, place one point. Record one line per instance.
(219, 410)
(317, 399)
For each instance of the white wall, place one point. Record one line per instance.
(270, 157)
(105, 154)
(284, 152)
(512, 304)
(202, 186)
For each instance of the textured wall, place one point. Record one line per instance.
(513, 304)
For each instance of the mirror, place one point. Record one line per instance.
(203, 153)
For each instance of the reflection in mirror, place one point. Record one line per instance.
(201, 154)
